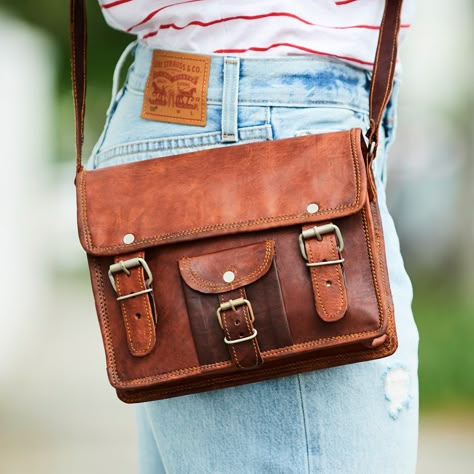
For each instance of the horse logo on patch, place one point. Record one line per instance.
(176, 89)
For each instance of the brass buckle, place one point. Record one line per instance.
(317, 233)
(125, 266)
(242, 339)
(232, 305)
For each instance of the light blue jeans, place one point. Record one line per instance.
(356, 419)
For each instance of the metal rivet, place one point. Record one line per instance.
(312, 208)
(128, 239)
(229, 277)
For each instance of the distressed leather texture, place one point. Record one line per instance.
(138, 312)
(329, 286)
(246, 188)
(216, 284)
(250, 228)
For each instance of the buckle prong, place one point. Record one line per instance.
(125, 266)
(232, 305)
(317, 233)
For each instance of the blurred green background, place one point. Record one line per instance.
(430, 177)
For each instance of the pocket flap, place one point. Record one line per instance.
(222, 191)
(228, 269)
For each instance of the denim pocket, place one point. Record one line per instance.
(290, 122)
(175, 145)
(128, 138)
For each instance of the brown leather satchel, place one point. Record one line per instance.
(242, 263)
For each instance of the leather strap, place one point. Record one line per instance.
(381, 86)
(78, 35)
(137, 306)
(329, 289)
(237, 324)
(384, 70)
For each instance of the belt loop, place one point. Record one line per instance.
(117, 72)
(230, 99)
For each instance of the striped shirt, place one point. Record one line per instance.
(342, 29)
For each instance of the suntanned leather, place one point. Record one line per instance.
(138, 312)
(258, 186)
(256, 274)
(328, 281)
(384, 67)
(177, 355)
(205, 273)
(240, 209)
(78, 30)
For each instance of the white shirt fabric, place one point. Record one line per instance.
(344, 29)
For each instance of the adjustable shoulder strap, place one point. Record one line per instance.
(381, 86)
(78, 29)
(384, 69)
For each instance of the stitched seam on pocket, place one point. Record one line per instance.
(247, 134)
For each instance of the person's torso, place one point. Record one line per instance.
(344, 29)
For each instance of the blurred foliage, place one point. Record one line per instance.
(445, 318)
(444, 313)
(105, 45)
(52, 16)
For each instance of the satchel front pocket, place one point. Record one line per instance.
(235, 304)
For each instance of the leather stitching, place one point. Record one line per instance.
(146, 302)
(249, 326)
(229, 336)
(320, 300)
(284, 370)
(83, 210)
(389, 83)
(125, 318)
(118, 382)
(372, 265)
(258, 273)
(389, 86)
(234, 225)
(123, 305)
(376, 63)
(383, 266)
(338, 271)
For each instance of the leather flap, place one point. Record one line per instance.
(228, 269)
(221, 191)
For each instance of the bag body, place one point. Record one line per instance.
(247, 247)
(228, 266)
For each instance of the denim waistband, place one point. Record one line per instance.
(294, 81)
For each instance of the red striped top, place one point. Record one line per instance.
(342, 29)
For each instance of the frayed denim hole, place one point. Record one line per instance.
(397, 385)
